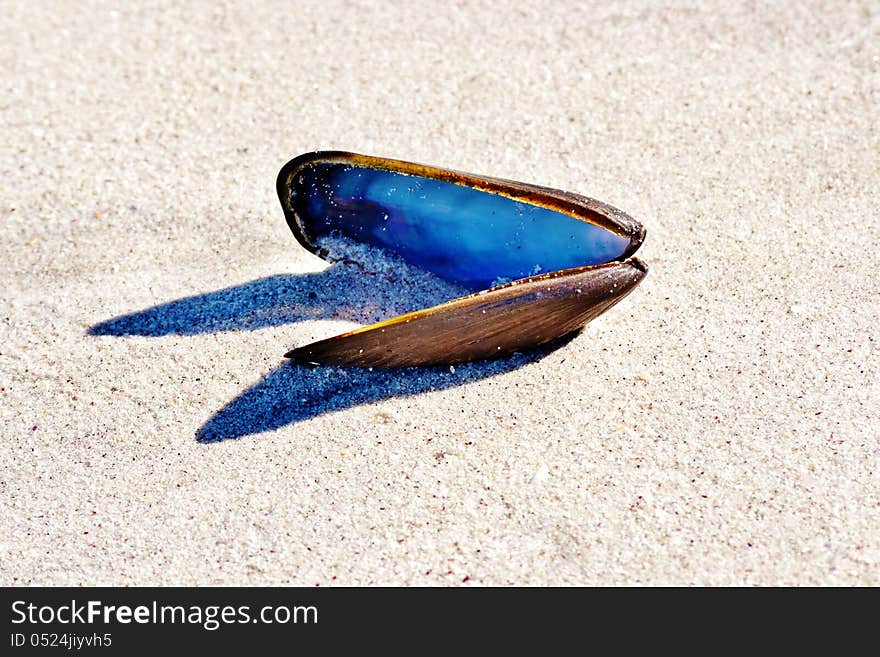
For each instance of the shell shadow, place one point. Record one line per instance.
(257, 304)
(292, 393)
(342, 291)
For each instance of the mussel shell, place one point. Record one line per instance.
(462, 234)
(492, 323)
(588, 210)
(489, 324)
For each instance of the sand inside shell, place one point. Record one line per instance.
(392, 285)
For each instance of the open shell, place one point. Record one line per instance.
(529, 311)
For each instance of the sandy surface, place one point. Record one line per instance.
(720, 426)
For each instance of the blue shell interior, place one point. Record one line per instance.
(463, 235)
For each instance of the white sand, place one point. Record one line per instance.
(720, 426)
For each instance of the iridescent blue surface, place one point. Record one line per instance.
(464, 235)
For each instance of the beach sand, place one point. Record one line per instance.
(719, 426)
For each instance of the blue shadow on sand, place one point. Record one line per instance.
(270, 301)
(291, 393)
